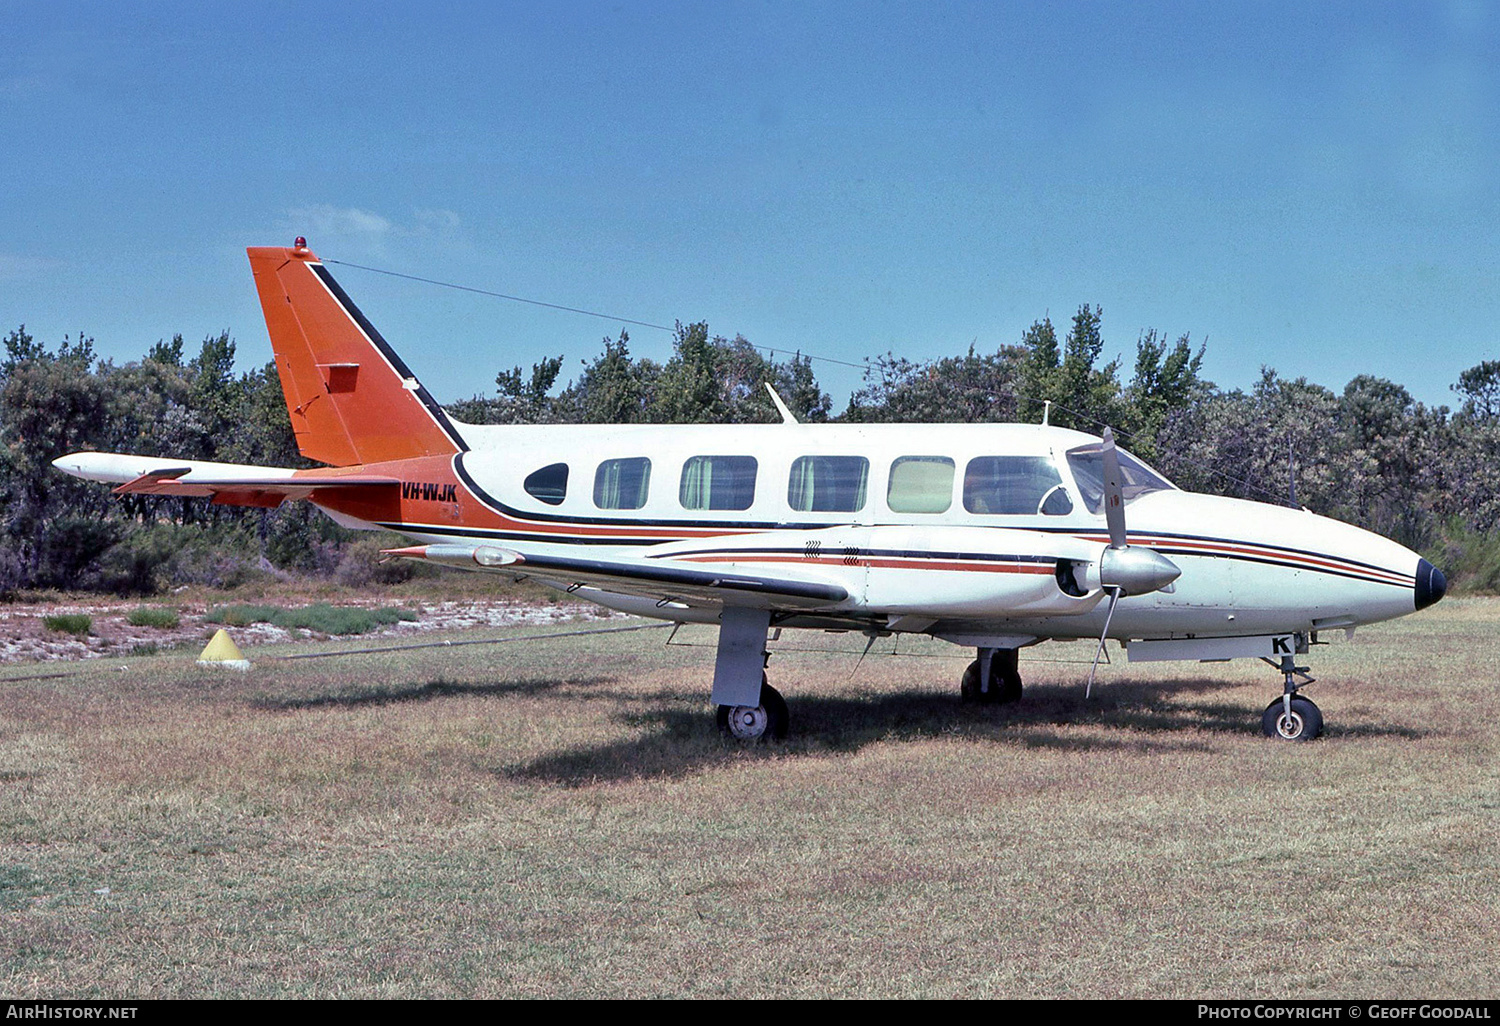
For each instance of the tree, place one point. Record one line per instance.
(169, 353)
(1164, 381)
(1039, 377)
(798, 387)
(614, 388)
(689, 392)
(966, 389)
(50, 404)
(1480, 387)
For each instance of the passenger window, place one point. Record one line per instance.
(1015, 486)
(920, 484)
(828, 484)
(550, 484)
(622, 484)
(718, 482)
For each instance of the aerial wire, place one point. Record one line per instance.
(572, 309)
(1083, 417)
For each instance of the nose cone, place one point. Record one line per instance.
(1431, 584)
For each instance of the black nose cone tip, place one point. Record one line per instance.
(1431, 585)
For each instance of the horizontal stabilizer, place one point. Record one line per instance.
(235, 484)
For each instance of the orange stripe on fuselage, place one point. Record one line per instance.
(441, 499)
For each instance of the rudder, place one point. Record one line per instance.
(351, 399)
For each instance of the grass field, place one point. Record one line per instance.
(559, 818)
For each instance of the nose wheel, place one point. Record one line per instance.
(1295, 720)
(1292, 717)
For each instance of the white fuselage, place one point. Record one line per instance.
(1247, 568)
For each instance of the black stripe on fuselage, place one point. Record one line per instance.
(531, 536)
(1353, 571)
(1101, 536)
(398, 364)
(483, 533)
(834, 552)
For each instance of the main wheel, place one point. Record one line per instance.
(1007, 689)
(968, 684)
(1005, 676)
(1004, 688)
(764, 722)
(1303, 724)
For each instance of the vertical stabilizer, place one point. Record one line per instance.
(351, 398)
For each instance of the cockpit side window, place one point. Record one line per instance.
(550, 484)
(1015, 486)
(1136, 479)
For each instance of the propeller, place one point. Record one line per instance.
(1123, 570)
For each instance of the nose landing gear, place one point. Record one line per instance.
(1292, 717)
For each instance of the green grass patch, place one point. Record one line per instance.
(320, 617)
(78, 624)
(153, 616)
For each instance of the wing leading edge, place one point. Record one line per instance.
(662, 579)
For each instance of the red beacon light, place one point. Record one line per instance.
(301, 243)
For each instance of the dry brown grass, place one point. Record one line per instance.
(559, 819)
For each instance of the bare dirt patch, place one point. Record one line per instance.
(25, 637)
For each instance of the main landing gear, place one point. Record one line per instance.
(748, 708)
(994, 678)
(1292, 717)
(764, 722)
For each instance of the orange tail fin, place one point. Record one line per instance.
(351, 398)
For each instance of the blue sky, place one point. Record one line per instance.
(1309, 186)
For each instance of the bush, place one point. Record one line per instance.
(153, 616)
(155, 557)
(79, 624)
(1470, 558)
(322, 617)
(360, 563)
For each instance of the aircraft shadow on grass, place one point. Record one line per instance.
(375, 696)
(1137, 717)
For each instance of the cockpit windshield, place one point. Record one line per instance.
(1136, 479)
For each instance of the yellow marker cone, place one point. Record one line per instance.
(221, 651)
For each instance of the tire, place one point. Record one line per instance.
(1009, 690)
(764, 722)
(1003, 689)
(1305, 723)
(968, 684)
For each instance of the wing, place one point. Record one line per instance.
(234, 484)
(663, 579)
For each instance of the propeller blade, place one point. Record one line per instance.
(1114, 492)
(1114, 596)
